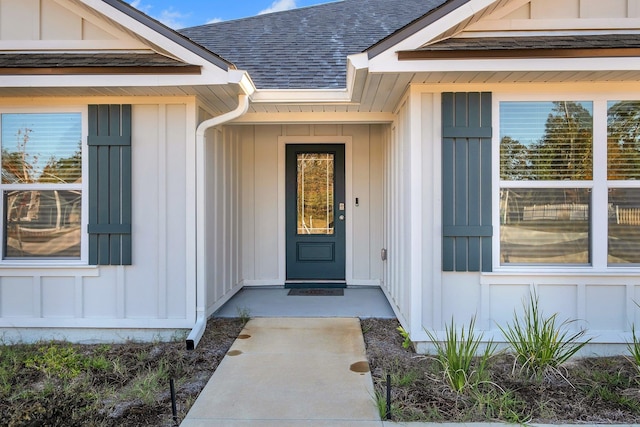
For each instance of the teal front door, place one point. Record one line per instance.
(315, 212)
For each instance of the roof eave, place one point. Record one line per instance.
(414, 27)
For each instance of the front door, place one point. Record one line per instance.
(315, 212)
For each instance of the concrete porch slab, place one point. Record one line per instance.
(362, 302)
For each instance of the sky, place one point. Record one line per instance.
(188, 13)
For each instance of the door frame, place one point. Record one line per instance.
(282, 196)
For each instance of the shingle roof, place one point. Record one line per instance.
(307, 48)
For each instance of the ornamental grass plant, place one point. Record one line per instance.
(541, 344)
(457, 356)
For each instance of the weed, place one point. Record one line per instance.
(540, 345)
(148, 384)
(404, 379)
(406, 343)
(61, 361)
(457, 353)
(244, 314)
(501, 405)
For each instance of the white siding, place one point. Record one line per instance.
(52, 24)
(223, 225)
(566, 15)
(151, 293)
(397, 280)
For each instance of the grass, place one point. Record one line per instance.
(457, 356)
(539, 343)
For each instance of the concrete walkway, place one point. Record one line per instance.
(291, 372)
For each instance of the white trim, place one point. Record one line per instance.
(416, 219)
(502, 65)
(282, 244)
(436, 266)
(71, 45)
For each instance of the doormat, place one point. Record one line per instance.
(316, 292)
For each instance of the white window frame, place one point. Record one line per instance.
(599, 184)
(83, 187)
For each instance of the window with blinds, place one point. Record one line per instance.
(623, 174)
(551, 144)
(41, 185)
(546, 141)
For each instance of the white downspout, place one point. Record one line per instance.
(201, 289)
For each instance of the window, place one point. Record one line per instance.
(41, 185)
(568, 183)
(623, 171)
(548, 146)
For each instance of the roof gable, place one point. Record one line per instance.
(86, 29)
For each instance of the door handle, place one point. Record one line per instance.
(341, 217)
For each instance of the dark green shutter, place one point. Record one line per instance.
(109, 144)
(466, 181)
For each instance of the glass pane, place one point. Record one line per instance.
(544, 226)
(315, 193)
(623, 140)
(42, 224)
(624, 226)
(41, 148)
(542, 141)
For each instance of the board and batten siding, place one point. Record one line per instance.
(262, 197)
(50, 22)
(117, 301)
(223, 225)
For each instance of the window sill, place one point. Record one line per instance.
(42, 269)
(564, 271)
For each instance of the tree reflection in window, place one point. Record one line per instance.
(42, 185)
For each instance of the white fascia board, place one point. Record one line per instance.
(501, 65)
(301, 96)
(158, 39)
(431, 31)
(357, 69)
(208, 77)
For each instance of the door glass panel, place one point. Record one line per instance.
(315, 193)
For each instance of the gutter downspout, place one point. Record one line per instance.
(201, 290)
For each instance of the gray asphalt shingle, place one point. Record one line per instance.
(307, 48)
(576, 41)
(66, 60)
